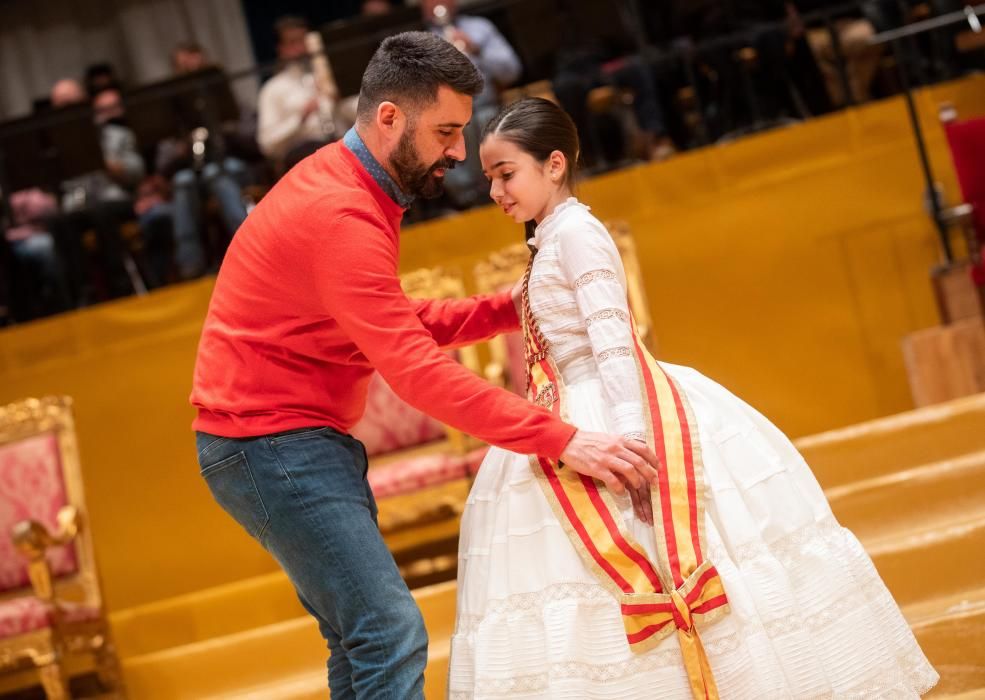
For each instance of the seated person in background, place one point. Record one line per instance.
(294, 119)
(34, 250)
(99, 77)
(780, 81)
(480, 40)
(102, 200)
(584, 62)
(375, 8)
(854, 31)
(221, 178)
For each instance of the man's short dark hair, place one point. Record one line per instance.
(409, 68)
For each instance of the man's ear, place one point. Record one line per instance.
(388, 116)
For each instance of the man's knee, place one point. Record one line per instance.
(402, 625)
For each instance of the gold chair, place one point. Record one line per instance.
(503, 268)
(51, 607)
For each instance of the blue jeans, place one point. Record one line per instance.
(304, 496)
(223, 183)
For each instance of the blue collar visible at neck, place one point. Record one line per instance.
(355, 144)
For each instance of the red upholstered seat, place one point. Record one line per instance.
(967, 141)
(392, 424)
(29, 614)
(966, 138)
(415, 473)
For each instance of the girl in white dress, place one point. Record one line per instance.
(746, 587)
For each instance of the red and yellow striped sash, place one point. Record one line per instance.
(681, 588)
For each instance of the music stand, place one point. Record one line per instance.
(893, 37)
(172, 108)
(351, 43)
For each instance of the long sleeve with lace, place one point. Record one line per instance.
(579, 283)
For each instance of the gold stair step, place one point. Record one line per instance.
(925, 496)
(899, 442)
(255, 661)
(955, 644)
(925, 564)
(216, 666)
(213, 612)
(951, 631)
(311, 686)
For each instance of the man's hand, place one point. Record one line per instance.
(617, 462)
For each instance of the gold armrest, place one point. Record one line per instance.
(33, 540)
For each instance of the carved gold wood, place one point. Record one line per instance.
(501, 270)
(46, 649)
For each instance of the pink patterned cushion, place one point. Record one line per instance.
(28, 614)
(390, 423)
(416, 473)
(31, 487)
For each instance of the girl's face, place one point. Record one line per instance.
(522, 187)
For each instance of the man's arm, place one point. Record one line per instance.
(458, 322)
(356, 282)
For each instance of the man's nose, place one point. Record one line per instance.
(457, 151)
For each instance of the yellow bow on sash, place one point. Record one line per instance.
(681, 588)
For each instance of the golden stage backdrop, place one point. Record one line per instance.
(787, 266)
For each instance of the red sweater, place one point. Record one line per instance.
(308, 303)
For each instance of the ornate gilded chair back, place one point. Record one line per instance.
(50, 605)
(502, 269)
(390, 424)
(39, 476)
(638, 303)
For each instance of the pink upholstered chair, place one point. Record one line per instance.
(50, 602)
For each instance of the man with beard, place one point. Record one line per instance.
(307, 303)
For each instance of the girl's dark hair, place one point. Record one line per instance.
(537, 127)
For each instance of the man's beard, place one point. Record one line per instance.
(416, 178)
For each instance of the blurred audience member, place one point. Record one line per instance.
(67, 92)
(99, 77)
(100, 201)
(190, 178)
(35, 253)
(761, 72)
(480, 40)
(375, 8)
(853, 32)
(295, 119)
(585, 62)
(188, 57)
